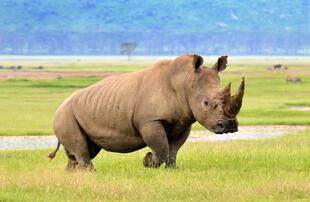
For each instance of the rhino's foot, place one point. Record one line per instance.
(71, 165)
(171, 163)
(150, 161)
(87, 167)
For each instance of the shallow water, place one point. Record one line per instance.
(300, 108)
(244, 133)
(27, 142)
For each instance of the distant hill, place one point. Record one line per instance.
(89, 27)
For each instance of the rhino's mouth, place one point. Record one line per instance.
(223, 131)
(225, 126)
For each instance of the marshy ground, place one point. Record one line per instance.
(244, 133)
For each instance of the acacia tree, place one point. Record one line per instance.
(128, 48)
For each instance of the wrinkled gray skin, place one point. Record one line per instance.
(154, 107)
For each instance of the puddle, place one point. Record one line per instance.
(27, 142)
(244, 133)
(300, 108)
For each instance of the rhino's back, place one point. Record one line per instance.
(105, 111)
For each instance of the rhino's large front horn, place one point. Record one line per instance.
(233, 105)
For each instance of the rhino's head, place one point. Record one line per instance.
(212, 107)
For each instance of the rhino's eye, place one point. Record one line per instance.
(206, 103)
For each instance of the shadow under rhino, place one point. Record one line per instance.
(154, 107)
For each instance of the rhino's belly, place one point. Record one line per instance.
(116, 141)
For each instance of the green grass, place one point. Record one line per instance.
(107, 65)
(259, 170)
(27, 107)
(98, 67)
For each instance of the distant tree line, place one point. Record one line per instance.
(155, 43)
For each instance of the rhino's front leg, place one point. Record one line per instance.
(154, 136)
(174, 146)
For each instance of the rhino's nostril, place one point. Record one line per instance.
(220, 125)
(232, 122)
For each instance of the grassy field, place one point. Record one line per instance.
(260, 170)
(121, 64)
(27, 106)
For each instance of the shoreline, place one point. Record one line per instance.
(244, 133)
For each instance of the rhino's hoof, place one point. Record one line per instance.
(151, 161)
(171, 165)
(86, 167)
(91, 169)
(147, 162)
(71, 165)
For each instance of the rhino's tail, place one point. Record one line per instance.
(53, 154)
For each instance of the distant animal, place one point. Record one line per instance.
(293, 79)
(277, 66)
(154, 107)
(15, 67)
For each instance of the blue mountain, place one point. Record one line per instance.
(262, 27)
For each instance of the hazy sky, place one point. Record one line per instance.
(138, 15)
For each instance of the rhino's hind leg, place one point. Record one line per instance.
(92, 148)
(154, 136)
(72, 163)
(73, 139)
(79, 158)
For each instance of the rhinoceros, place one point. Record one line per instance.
(155, 107)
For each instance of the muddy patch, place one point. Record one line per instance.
(244, 133)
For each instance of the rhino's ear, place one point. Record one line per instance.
(221, 63)
(197, 62)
